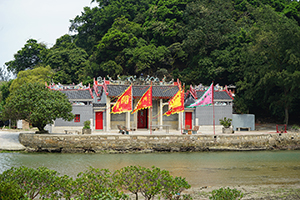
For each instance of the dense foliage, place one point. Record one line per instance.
(253, 44)
(37, 105)
(29, 183)
(226, 194)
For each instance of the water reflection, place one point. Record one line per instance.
(200, 169)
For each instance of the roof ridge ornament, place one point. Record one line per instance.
(134, 80)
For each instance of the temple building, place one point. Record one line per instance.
(95, 104)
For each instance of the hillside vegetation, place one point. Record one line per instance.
(252, 44)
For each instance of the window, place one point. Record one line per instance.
(77, 118)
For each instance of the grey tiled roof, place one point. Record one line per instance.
(78, 94)
(218, 95)
(188, 101)
(138, 90)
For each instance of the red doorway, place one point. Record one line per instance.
(99, 120)
(142, 119)
(188, 119)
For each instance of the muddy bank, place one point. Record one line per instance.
(253, 192)
(250, 192)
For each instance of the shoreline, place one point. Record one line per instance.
(158, 143)
(253, 192)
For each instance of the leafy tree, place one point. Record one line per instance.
(208, 29)
(292, 10)
(34, 182)
(10, 191)
(5, 75)
(96, 184)
(38, 105)
(94, 23)
(67, 60)
(150, 182)
(277, 71)
(37, 75)
(30, 56)
(4, 92)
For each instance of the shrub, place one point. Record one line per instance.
(295, 128)
(34, 182)
(96, 184)
(86, 124)
(10, 191)
(150, 182)
(225, 122)
(226, 194)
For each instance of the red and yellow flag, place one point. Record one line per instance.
(145, 101)
(176, 104)
(124, 102)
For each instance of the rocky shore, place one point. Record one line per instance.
(159, 143)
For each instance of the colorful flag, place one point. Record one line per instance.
(176, 104)
(206, 99)
(145, 101)
(124, 102)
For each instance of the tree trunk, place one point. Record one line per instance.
(286, 112)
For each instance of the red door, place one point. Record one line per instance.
(99, 120)
(188, 119)
(142, 118)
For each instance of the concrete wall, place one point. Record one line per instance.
(243, 120)
(85, 111)
(151, 143)
(205, 114)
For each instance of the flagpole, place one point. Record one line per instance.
(150, 120)
(213, 93)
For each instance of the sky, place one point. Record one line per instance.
(43, 20)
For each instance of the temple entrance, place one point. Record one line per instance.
(99, 120)
(188, 119)
(142, 119)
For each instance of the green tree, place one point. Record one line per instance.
(37, 105)
(10, 190)
(30, 56)
(275, 77)
(4, 92)
(37, 75)
(33, 182)
(96, 184)
(67, 60)
(150, 182)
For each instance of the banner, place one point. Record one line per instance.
(145, 101)
(176, 104)
(206, 99)
(124, 102)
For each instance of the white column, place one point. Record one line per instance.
(135, 115)
(107, 114)
(128, 120)
(92, 124)
(180, 120)
(160, 113)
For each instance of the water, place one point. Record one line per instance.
(199, 168)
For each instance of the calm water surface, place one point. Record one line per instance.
(200, 168)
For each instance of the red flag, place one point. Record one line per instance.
(176, 104)
(124, 102)
(145, 101)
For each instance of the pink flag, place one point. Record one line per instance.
(206, 99)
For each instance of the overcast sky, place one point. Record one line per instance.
(43, 20)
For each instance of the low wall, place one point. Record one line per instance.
(157, 143)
